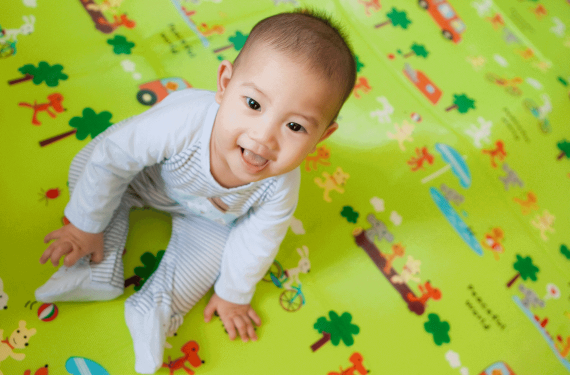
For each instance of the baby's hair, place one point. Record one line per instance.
(314, 39)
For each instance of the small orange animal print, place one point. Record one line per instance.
(427, 292)
(190, 350)
(496, 153)
(54, 102)
(529, 204)
(422, 156)
(321, 157)
(361, 85)
(40, 371)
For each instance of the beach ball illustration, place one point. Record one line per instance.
(84, 366)
(47, 312)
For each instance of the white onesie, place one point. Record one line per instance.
(161, 159)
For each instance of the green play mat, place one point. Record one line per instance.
(436, 220)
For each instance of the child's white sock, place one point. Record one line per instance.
(74, 284)
(148, 332)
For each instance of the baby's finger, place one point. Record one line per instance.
(47, 254)
(72, 257)
(251, 332)
(230, 328)
(253, 315)
(52, 235)
(60, 250)
(97, 256)
(209, 311)
(241, 326)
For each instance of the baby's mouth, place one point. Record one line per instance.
(253, 158)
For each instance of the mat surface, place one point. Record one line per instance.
(436, 220)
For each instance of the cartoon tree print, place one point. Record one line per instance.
(90, 124)
(462, 102)
(525, 270)
(338, 328)
(396, 18)
(439, 329)
(359, 65)
(418, 50)
(349, 213)
(565, 251)
(142, 274)
(121, 45)
(44, 72)
(564, 147)
(237, 41)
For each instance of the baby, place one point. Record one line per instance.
(224, 164)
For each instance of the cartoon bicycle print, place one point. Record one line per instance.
(292, 298)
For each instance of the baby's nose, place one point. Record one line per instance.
(265, 135)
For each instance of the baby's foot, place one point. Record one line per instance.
(148, 332)
(74, 284)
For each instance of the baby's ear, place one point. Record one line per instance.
(225, 71)
(328, 132)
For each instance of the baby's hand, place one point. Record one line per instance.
(234, 317)
(74, 244)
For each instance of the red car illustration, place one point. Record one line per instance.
(445, 16)
(153, 92)
(423, 83)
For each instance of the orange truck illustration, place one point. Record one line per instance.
(446, 18)
(423, 83)
(153, 92)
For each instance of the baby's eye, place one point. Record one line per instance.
(252, 104)
(295, 127)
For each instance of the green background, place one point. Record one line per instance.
(343, 279)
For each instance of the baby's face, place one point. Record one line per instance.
(273, 112)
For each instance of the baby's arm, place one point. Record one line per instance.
(250, 249)
(74, 244)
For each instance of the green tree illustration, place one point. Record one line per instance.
(525, 270)
(121, 45)
(359, 65)
(462, 102)
(142, 274)
(90, 124)
(237, 41)
(349, 213)
(564, 147)
(338, 328)
(439, 329)
(418, 50)
(49, 74)
(396, 18)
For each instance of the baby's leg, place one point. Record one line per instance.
(188, 269)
